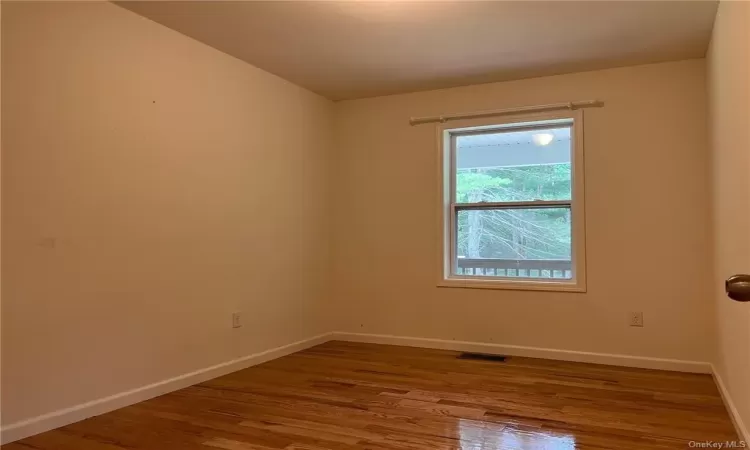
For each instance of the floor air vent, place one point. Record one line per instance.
(482, 357)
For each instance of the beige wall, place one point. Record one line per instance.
(729, 89)
(648, 234)
(151, 186)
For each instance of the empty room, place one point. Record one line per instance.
(406, 225)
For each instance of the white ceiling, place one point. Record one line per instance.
(354, 49)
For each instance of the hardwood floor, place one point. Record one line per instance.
(343, 395)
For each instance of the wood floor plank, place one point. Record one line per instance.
(343, 395)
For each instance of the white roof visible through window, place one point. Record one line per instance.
(512, 148)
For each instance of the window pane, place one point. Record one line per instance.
(507, 166)
(525, 243)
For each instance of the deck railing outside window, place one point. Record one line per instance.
(515, 268)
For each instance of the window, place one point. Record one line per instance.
(511, 201)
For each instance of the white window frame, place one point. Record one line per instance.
(447, 207)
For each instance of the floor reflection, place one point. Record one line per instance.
(475, 435)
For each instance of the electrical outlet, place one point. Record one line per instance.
(636, 319)
(236, 322)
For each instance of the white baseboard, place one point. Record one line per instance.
(531, 352)
(739, 425)
(56, 419)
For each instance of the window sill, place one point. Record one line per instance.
(473, 283)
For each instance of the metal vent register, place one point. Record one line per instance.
(482, 357)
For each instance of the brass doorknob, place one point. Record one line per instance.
(738, 287)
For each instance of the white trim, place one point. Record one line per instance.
(531, 284)
(62, 417)
(514, 205)
(739, 425)
(447, 206)
(56, 419)
(642, 362)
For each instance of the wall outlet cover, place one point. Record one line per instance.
(636, 319)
